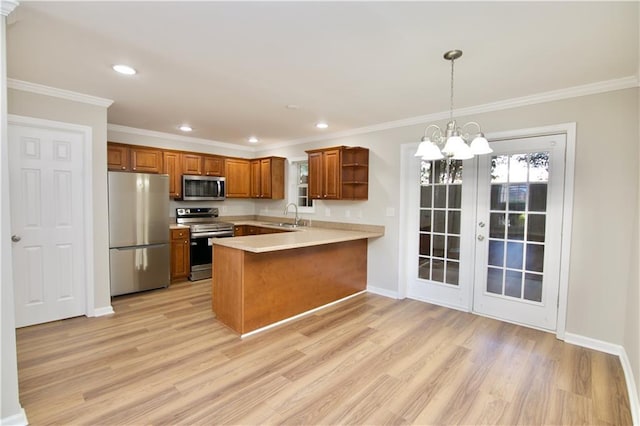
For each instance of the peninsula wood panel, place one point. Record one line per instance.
(281, 284)
(228, 274)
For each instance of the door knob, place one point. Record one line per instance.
(15, 238)
(480, 237)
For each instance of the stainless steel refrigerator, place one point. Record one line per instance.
(139, 250)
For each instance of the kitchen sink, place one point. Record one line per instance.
(282, 224)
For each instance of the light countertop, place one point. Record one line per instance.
(175, 226)
(295, 238)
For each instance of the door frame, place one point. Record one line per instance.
(87, 155)
(407, 186)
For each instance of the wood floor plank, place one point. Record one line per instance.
(163, 359)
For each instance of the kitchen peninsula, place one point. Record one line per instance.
(260, 280)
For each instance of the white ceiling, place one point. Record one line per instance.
(230, 68)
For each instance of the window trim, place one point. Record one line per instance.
(292, 193)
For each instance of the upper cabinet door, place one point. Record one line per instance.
(315, 175)
(265, 178)
(117, 157)
(172, 165)
(146, 160)
(191, 164)
(213, 165)
(255, 179)
(331, 168)
(237, 175)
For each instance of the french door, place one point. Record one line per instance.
(489, 231)
(518, 230)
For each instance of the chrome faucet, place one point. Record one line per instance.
(286, 210)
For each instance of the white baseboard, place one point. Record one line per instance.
(438, 303)
(100, 312)
(613, 349)
(19, 419)
(383, 292)
(588, 342)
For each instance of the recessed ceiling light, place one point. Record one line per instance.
(322, 125)
(253, 139)
(293, 106)
(185, 128)
(124, 69)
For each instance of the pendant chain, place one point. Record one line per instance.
(451, 100)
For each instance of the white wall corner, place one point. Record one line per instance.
(19, 419)
(632, 388)
(382, 292)
(6, 7)
(613, 349)
(100, 312)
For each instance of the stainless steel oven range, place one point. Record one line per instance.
(204, 227)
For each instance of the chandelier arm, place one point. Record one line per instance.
(470, 123)
(436, 134)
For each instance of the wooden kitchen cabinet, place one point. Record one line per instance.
(180, 253)
(191, 164)
(324, 174)
(339, 173)
(172, 165)
(146, 160)
(213, 165)
(267, 178)
(237, 174)
(355, 173)
(117, 157)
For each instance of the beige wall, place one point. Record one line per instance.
(56, 109)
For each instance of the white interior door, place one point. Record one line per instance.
(47, 213)
(519, 230)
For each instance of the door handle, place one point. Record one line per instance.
(15, 238)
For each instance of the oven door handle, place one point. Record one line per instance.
(211, 234)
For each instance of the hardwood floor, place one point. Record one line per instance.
(164, 359)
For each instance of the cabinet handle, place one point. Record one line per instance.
(134, 168)
(124, 168)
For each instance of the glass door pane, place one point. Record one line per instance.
(440, 221)
(517, 222)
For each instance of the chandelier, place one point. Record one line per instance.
(452, 142)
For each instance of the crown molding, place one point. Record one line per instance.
(554, 95)
(41, 89)
(7, 6)
(179, 138)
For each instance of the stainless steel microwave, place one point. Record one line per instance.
(204, 188)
